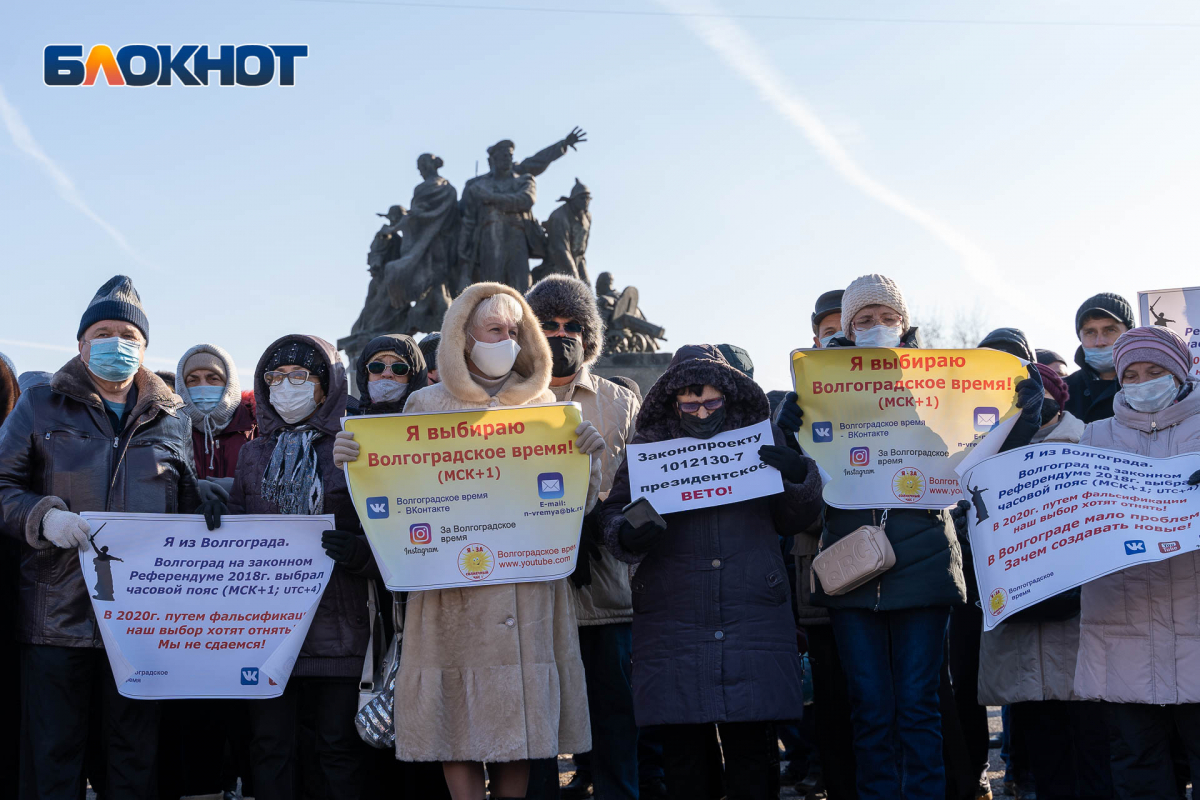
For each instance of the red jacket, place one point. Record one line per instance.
(241, 429)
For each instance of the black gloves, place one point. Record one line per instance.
(1192, 481)
(344, 547)
(1029, 399)
(641, 539)
(589, 548)
(958, 513)
(788, 416)
(212, 509)
(791, 465)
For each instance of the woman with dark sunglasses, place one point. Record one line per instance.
(388, 371)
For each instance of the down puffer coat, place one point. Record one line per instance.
(337, 640)
(1139, 638)
(713, 634)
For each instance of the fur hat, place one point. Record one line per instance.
(116, 299)
(871, 290)
(564, 296)
(1157, 345)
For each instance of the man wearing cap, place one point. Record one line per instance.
(827, 318)
(567, 236)
(1098, 323)
(105, 434)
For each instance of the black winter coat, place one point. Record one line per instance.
(58, 450)
(1091, 397)
(713, 635)
(337, 640)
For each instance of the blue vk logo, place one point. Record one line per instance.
(377, 508)
(1135, 547)
(250, 676)
(822, 431)
(550, 485)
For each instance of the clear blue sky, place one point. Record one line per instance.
(1051, 161)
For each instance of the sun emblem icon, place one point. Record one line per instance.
(475, 562)
(998, 601)
(909, 485)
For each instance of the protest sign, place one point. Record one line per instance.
(1050, 517)
(682, 474)
(890, 426)
(461, 498)
(1171, 308)
(189, 613)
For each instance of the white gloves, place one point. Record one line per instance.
(590, 442)
(66, 530)
(345, 449)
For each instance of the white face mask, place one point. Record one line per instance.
(294, 403)
(386, 391)
(1152, 395)
(495, 359)
(879, 336)
(825, 340)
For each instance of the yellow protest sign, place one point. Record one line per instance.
(462, 498)
(890, 425)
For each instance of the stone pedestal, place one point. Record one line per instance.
(645, 368)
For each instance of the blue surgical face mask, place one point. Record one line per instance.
(206, 398)
(825, 340)
(1151, 396)
(879, 336)
(1099, 358)
(114, 359)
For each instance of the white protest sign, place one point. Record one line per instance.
(1172, 308)
(681, 474)
(1050, 517)
(190, 613)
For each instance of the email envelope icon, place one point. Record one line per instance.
(986, 418)
(550, 485)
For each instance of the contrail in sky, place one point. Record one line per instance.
(23, 138)
(740, 52)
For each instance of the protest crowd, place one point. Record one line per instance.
(683, 649)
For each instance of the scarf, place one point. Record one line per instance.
(291, 480)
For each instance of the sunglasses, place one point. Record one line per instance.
(692, 408)
(297, 378)
(551, 326)
(377, 368)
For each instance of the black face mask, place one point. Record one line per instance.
(568, 355)
(702, 428)
(1050, 409)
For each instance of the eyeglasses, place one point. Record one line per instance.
(398, 368)
(550, 326)
(297, 378)
(868, 321)
(692, 408)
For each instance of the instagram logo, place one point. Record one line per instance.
(860, 456)
(420, 533)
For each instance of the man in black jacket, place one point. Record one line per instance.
(1098, 323)
(103, 435)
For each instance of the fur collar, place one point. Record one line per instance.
(530, 375)
(74, 381)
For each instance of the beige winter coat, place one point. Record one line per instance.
(490, 673)
(612, 409)
(1139, 641)
(1023, 661)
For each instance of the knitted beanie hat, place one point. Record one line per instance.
(1055, 385)
(302, 355)
(870, 290)
(429, 346)
(1048, 357)
(1157, 345)
(1108, 304)
(203, 359)
(116, 299)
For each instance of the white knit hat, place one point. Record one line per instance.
(870, 290)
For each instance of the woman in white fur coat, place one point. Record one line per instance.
(490, 674)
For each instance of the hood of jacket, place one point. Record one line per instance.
(1149, 422)
(699, 364)
(409, 352)
(530, 374)
(231, 398)
(570, 298)
(1069, 429)
(1010, 340)
(327, 418)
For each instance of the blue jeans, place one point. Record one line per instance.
(893, 662)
